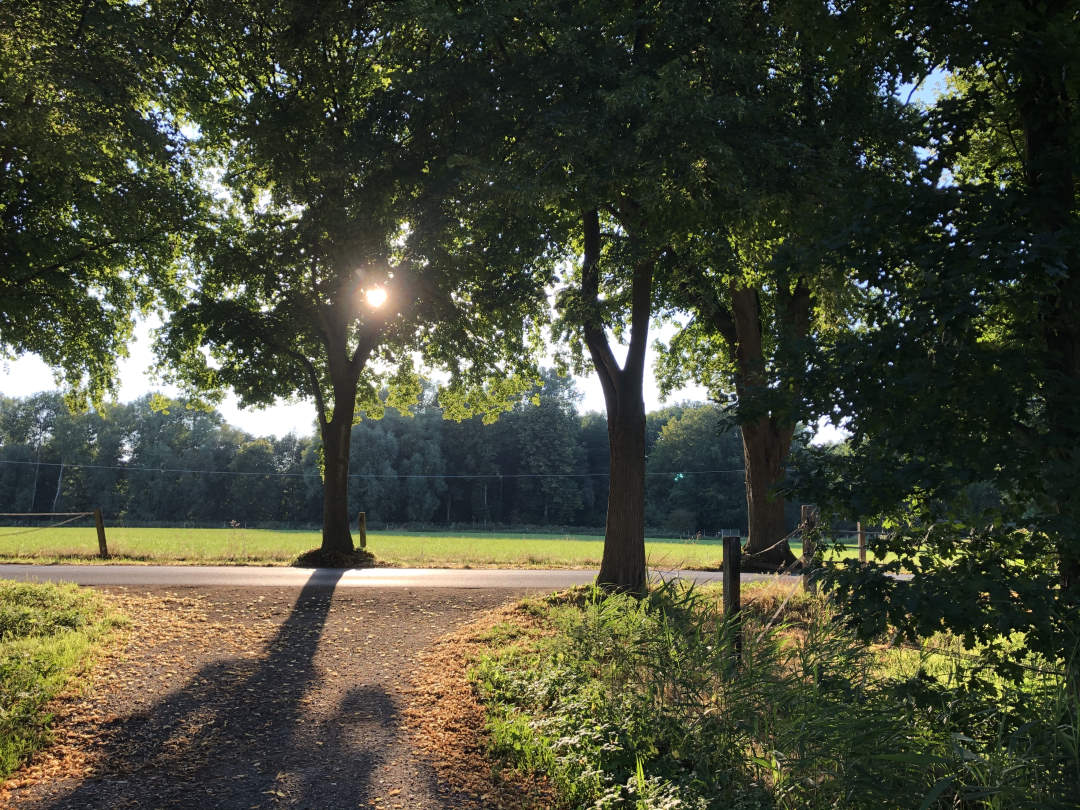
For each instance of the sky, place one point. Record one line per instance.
(28, 375)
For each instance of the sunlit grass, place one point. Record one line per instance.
(237, 546)
(48, 635)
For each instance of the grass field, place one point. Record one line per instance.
(410, 549)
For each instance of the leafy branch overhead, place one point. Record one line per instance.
(96, 190)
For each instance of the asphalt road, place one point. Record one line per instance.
(251, 576)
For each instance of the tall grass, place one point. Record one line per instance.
(641, 704)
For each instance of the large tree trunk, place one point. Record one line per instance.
(623, 565)
(765, 447)
(336, 435)
(766, 424)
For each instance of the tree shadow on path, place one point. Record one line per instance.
(252, 733)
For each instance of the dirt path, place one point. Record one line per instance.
(253, 698)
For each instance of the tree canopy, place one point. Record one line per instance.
(960, 390)
(95, 191)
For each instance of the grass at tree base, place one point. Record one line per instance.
(317, 558)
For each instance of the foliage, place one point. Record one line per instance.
(639, 704)
(703, 461)
(960, 387)
(47, 633)
(96, 190)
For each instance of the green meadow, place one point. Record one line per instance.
(404, 549)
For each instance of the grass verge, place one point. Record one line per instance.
(48, 634)
(640, 705)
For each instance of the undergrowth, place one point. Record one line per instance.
(641, 704)
(47, 633)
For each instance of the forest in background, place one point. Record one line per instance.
(540, 464)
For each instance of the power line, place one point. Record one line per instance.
(482, 476)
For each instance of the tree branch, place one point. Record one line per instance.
(711, 307)
(640, 314)
(595, 338)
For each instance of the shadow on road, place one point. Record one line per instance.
(251, 733)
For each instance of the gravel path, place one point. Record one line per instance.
(252, 698)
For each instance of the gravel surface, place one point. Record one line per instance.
(252, 698)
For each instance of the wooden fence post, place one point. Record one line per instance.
(808, 518)
(361, 528)
(732, 585)
(99, 521)
(862, 542)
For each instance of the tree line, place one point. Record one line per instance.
(160, 461)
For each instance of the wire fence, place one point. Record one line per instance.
(278, 474)
(71, 518)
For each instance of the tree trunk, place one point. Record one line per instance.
(623, 564)
(336, 435)
(764, 449)
(766, 427)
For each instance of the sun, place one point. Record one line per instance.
(376, 297)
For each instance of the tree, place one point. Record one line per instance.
(94, 186)
(587, 97)
(549, 453)
(346, 240)
(757, 277)
(967, 370)
(28, 426)
(254, 491)
(692, 469)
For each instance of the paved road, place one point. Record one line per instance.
(251, 576)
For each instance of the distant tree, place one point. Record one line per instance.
(549, 453)
(469, 448)
(28, 427)
(683, 477)
(254, 489)
(296, 506)
(374, 487)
